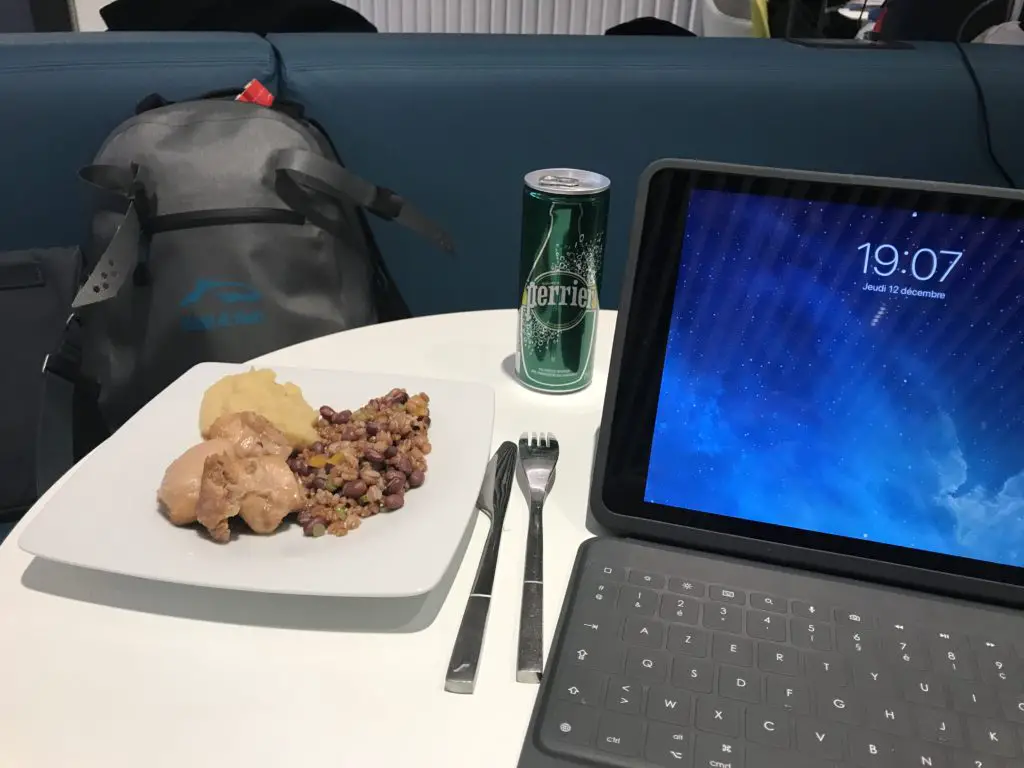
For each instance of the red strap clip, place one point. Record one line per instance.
(256, 93)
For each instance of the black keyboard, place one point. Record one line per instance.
(661, 669)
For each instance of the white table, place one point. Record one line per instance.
(112, 672)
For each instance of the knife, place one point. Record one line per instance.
(493, 501)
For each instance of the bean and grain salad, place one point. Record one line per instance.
(364, 462)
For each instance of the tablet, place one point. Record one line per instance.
(821, 369)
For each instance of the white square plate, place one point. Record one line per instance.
(105, 516)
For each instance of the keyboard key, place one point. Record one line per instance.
(788, 693)
(647, 665)
(588, 622)
(727, 595)
(569, 724)
(839, 704)
(739, 684)
(582, 686)
(687, 587)
(624, 697)
(715, 752)
(811, 634)
(974, 760)
(890, 716)
(639, 630)
(973, 699)
(1013, 706)
(896, 628)
(875, 679)
(870, 750)
(809, 611)
(766, 757)
(599, 596)
(851, 618)
(821, 739)
(681, 609)
(854, 641)
(924, 688)
(693, 674)
(668, 705)
(669, 746)
(649, 580)
(998, 668)
(595, 654)
(904, 654)
(727, 618)
(638, 600)
(953, 660)
(606, 572)
(827, 669)
(766, 626)
(768, 726)
(620, 734)
(687, 640)
(778, 659)
(947, 638)
(732, 650)
(939, 727)
(917, 753)
(718, 716)
(992, 737)
(769, 603)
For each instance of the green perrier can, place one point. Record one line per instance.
(565, 213)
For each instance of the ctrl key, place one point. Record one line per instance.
(566, 724)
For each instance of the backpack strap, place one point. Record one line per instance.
(69, 422)
(300, 177)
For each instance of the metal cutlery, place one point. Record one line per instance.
(492, 501)
(538, 454)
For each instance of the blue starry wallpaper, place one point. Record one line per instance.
(848, 370)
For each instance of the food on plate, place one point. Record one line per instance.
(250, 434)
(267, 454)
(179, 490)
(257, 391)
(262, 490)
(364, 461)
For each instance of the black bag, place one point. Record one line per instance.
(225, 230)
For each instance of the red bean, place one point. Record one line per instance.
(405, 464)
(327, 412)
(341, 417)
(416, 478)
(394, 501)
(372, 428)
(395, 485)
(354, 489)
(391, 452)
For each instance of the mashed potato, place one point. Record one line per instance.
(257, 390)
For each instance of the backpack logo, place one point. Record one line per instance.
(214, 301)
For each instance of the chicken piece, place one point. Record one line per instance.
(260, 488)
(179, 490)
(251, 434)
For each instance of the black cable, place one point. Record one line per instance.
(980, 92)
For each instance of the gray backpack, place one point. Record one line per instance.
(223, 230)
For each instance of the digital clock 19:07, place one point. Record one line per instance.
(923, 264)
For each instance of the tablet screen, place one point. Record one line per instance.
(846, 368)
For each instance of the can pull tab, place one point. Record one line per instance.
(558, 182)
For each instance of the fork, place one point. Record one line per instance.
(538, 454)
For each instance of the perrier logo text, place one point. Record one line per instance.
(559, 300)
